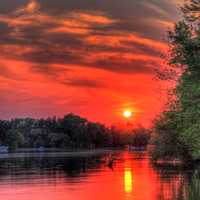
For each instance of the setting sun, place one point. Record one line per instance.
(127, 113)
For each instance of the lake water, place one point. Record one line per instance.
(86, 176)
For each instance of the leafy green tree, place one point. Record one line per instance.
(71, 131)
(14, 139)
(178, 130)
(139, 137)
(4, 127)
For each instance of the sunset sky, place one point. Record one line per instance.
(94, 58)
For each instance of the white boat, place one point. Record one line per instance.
(4, 149)
(134, 148)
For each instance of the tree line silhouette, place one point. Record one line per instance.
(69, 132)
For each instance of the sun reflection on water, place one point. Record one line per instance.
(128, 180)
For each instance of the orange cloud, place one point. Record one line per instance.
(120, 39)
(93, 17)
(30, 8)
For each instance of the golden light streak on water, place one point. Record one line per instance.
(128, 180)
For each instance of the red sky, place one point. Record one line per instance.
(92, 58)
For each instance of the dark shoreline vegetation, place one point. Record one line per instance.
(177, 131)
(69, 132)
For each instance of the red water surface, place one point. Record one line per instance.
(132, 178)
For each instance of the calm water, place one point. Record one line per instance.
(63, 176)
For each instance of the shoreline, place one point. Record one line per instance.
(64, 153)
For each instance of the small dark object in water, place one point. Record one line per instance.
(111, 160)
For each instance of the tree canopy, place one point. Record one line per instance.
(177, 132)
(69, 132)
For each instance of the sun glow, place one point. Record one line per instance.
(127, 113)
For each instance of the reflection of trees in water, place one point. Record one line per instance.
(174, 188)
(51, 166)
(174, 183)
(179, 183)
(194, 186)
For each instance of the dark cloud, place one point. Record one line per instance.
(56, 32)
(84, 83)
(49, 71)
(123, 66)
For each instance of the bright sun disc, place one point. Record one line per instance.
(127, 113)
